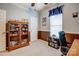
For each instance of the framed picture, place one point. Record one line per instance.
(75, 14)
(44, 21)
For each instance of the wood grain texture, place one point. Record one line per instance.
(21, 35)
(43, 35)
(71, 36)
(74, 50)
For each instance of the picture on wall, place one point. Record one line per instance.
(44, 21)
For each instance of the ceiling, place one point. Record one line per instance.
(37, 7)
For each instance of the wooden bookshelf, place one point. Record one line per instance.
(18, 35)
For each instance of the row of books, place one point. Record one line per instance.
(13, 43)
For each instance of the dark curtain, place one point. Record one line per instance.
(56, 11)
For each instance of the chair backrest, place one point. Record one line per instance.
(62, 38)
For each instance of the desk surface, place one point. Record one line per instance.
(74, 50)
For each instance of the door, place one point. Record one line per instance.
(33, 28)
(2, 30)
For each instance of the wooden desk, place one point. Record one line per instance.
(74, 50)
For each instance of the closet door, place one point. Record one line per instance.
(2, 30)
(33, 28)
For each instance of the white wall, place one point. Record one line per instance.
(70, 24)
(15, 12)
(44, 13)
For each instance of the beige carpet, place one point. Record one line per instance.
(36, 48)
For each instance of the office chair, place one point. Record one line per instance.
(63, 43)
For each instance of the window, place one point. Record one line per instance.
(55, 24)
